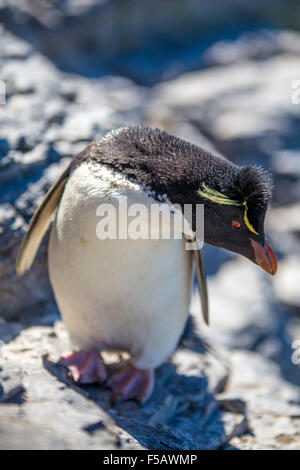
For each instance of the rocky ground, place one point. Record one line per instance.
(233, 385)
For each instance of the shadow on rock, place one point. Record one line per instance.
(183, 412)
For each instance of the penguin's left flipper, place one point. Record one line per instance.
(201, 279)
(202, 283)
(39, 224)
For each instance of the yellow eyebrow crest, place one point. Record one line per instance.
(250, 227)
(220, 198)
(217, 197)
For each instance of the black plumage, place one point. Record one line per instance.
(173, 167)
(152, 157)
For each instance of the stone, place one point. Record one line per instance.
(287, 282)
(76, 34)
(186, 411)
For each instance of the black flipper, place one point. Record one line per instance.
(201, 278)
(39, 224)
(202, 283)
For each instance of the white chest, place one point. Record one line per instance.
(121, 294)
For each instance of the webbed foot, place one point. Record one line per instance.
(132, 383)
(85, 366)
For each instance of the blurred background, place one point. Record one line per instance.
(223, 75)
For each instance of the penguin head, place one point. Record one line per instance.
(234, 213)
(235, 198)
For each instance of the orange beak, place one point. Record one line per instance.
(265, 257)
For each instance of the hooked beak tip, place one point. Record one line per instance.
(265, 257)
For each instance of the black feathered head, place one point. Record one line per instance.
(254, 188)
(234, 218)
(235, 198)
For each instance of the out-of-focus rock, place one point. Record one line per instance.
(55, 12)
(287, 282)
(95, 37)
(47, 109)
(284, 224)
(287, 162)
(245, 313)
(247, 109)
(241, 315)
(272, 405)
(255, 45)
(243, 106)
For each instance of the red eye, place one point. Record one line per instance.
(236, 224)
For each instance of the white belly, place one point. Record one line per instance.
(116, 294)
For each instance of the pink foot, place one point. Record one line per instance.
(85, 366)
(132, 383)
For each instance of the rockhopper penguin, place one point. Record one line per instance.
(134, 294)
